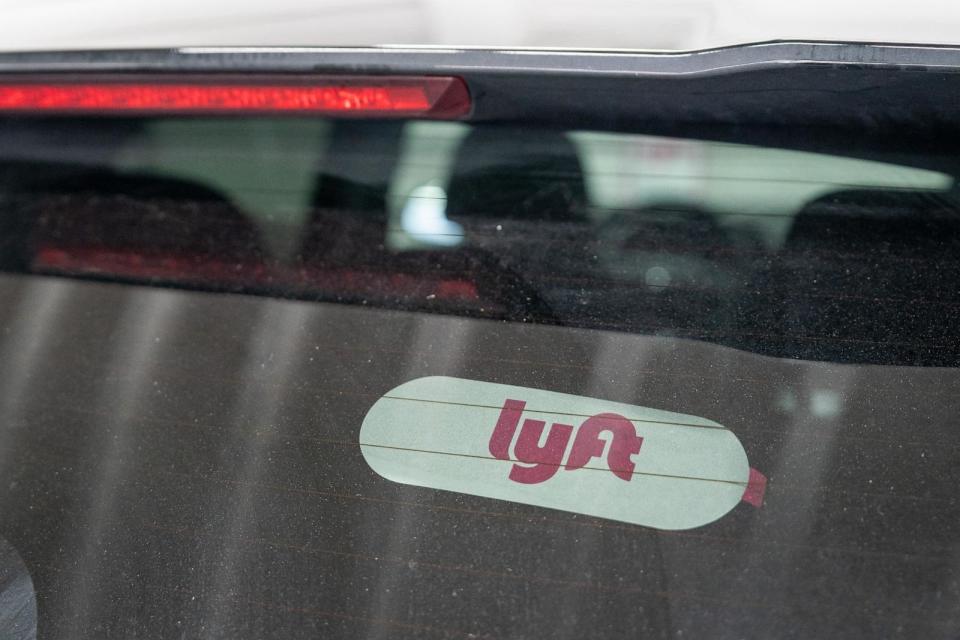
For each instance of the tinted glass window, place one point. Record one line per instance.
(199, 313)
(771, 250)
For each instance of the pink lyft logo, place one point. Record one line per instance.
(637, 464)
(547, 459)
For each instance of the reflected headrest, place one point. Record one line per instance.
(516, 174)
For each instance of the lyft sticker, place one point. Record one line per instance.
(606, 459)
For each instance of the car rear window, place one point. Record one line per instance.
(200, 311)
(664, 236)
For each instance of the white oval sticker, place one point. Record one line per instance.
(618, 461)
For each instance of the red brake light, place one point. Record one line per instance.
(371, 96)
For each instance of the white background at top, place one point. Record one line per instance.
(636, 24)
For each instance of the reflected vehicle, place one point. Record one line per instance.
(488, 344)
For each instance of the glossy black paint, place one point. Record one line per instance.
(767, 93)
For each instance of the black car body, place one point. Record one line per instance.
(201, 308)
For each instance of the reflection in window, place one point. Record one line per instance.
(423, 220)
